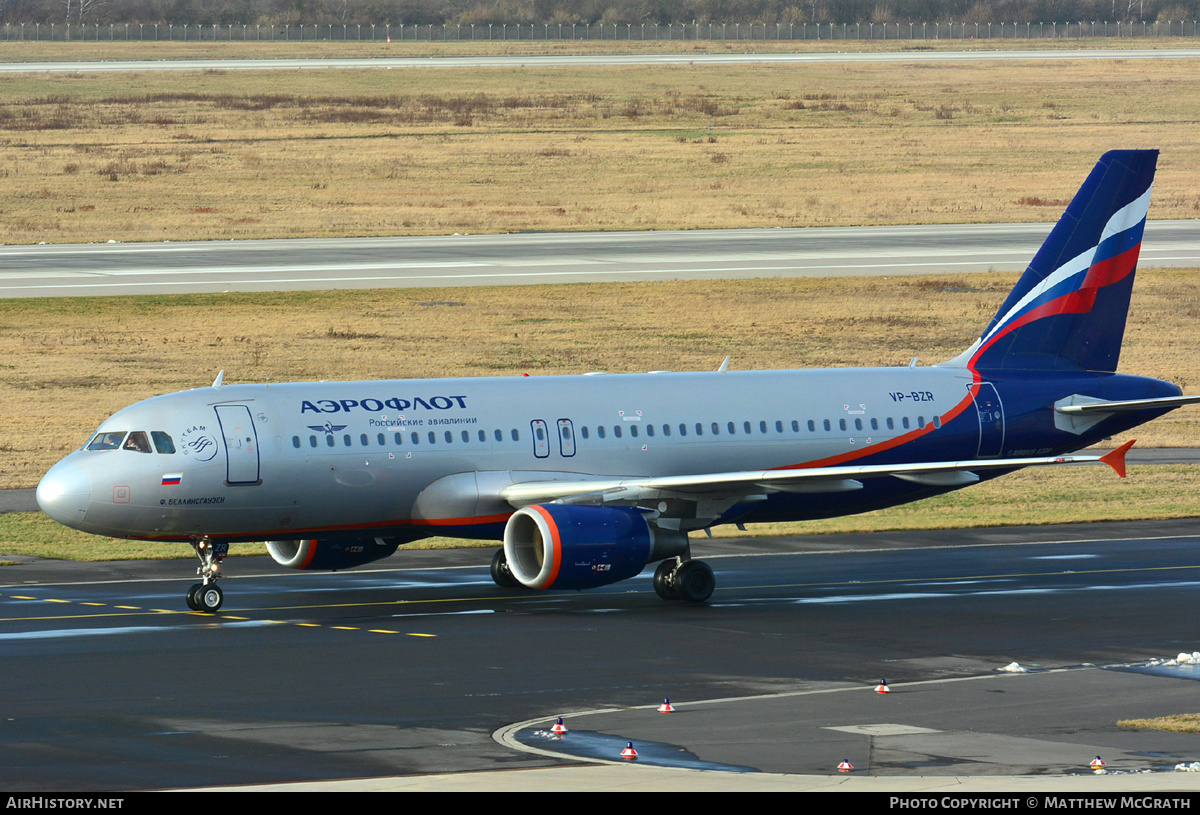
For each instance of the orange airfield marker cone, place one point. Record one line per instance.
(559, 728)
(665, 707)
(845, 766)
(629, 753)
(1097, 763)
(882, 687)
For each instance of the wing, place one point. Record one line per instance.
(714, 493)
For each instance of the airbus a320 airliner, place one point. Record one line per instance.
(587, 479)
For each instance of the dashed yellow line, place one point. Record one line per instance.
(223, 617)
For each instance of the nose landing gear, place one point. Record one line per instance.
(206, 595)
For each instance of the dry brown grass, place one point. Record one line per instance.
(239, 155)
(67, 363)
(1178, 723)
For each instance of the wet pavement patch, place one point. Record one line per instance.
(587, 744)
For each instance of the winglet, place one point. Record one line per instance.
(1116, 458)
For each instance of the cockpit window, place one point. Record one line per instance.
(138, 442)
(163, 442)
(106, 441)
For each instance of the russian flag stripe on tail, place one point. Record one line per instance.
(1068, 310)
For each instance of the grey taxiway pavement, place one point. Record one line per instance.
(570, 257)
(400, 676)
(563, 60)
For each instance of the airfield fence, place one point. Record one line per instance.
(653, 32)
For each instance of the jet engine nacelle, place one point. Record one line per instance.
(569, 546)
(330, 555)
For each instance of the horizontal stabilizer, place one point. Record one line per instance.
(1128, 406)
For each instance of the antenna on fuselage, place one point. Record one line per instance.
(220, 378)
(724, 366)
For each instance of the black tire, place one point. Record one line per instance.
(501, 574)
(210, 598)
(192, 602)
(664, 586)
(694, 581)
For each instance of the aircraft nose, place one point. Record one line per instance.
(63, 493)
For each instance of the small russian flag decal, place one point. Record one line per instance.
(172, 479)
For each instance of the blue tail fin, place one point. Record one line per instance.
(1068, 310)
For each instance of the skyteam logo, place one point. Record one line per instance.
(197, 442)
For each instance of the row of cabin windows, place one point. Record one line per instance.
(748, 428)
(381, 439)
(683, 429)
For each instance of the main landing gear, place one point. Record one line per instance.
(675, 578)
(502, 576)
(689, 580)
(206, 595)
